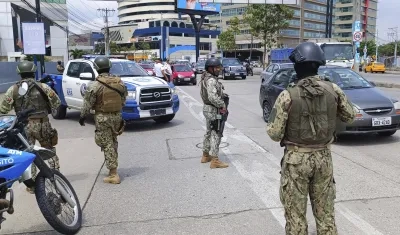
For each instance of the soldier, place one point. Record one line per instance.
(107, 96)
(43, 99)
(212, 96)
(60, 68)
(303, 119)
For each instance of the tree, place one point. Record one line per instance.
(388, 49)
(145, 47)
(267, 20)
(234, 26)
(76, 53)
(99, 48)
(114, 48)
(371, 47)
(226, 41)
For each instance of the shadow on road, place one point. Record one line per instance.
(130, 172)
(370, 139)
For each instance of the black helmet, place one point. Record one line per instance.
(212, 62)
(308, 52)
(26, 67)
(102, 62)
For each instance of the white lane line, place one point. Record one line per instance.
(264, 178)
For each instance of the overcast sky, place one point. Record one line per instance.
(387, 10)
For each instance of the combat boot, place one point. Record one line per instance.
(205, 158)
(113, 177)
(216, 163)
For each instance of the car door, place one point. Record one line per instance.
(68, 82)
(268, 72)
(278, 83)
(81, 85)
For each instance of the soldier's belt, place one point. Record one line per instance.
(38, 119)
(306, 149)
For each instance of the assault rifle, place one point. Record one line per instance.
(221, 118)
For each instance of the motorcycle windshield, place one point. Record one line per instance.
(6, 121)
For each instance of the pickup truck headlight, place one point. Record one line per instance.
(173, 90)
(131, 95)
(397, 107)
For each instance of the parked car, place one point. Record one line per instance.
(376, 112)
(183, 74)
(272, 68)
(149, 68)
(200, 66)
(233, 68)
(375, 67)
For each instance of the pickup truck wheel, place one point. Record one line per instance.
(243, 77)
(164, 119)
(60, 112)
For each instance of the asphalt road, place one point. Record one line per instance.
(166, 190)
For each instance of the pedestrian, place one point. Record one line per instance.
(43, 99)
(212, 94)
(167, 70)
(60, 68)
(303, 119)
(106, 96)
(159, 70)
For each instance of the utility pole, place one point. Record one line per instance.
(393, 34)
(357, 18)
(38, 20)
(105, 12)
(376, 45)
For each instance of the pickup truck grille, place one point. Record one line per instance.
(153, 95)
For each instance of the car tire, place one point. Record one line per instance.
(266, 111)
(60, 112)
(164, 119)
(243, 77)
(194, 81)
(387, 133)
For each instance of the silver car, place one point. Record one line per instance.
(376, 112)
(272, 68)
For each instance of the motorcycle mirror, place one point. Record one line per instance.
(23, 89)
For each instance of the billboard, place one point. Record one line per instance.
(33, 39)
(196, 7)
(286, 2)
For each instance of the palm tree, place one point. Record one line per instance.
(76, 53)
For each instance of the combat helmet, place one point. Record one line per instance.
(308, 52)
(212, 62)
(26, 67)
(101, 63)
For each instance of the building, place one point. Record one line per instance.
(310, 21)
(345, 12)
(15, 12)
(180, 42)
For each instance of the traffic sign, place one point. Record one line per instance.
(357, 36)
(357, 59)
(357, 26)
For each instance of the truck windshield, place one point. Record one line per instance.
(127, 69)
(338, 51)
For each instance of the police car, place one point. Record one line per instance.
(148, 97)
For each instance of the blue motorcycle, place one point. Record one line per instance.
(53, 191)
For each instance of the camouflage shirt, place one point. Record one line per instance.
(279, 115)
(60, 68)
(7, 104)
(211, 92)
(91, 95)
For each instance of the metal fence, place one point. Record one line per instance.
(8, 73)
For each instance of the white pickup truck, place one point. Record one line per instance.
(148, 97)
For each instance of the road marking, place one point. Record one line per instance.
(5, 83)
(264, 179)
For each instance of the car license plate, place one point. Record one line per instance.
(187, 79)
(157, 112)
(383, 121)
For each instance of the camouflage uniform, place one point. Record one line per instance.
(212, 95)
(307, 169)
(38, 127)
(60, 69)
(108, 124)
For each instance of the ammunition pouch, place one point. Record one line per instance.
(54, 138)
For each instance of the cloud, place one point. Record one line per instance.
(387, 18)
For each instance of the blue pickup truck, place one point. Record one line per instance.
(148, 97)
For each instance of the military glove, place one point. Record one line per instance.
(82, 121)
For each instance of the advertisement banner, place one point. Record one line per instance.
(197, 7)
(33, 39)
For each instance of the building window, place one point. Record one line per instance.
(296, 12)
(290, 32)
(344, 18)
(314, 35)
(314, 16)
(315, 26)
(314, 7)
(345, 1)
(294, 23)
(233, 11)
(344, 9)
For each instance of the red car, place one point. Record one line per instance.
(183, 73)
(149, 68)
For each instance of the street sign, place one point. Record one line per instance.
(357, 59)
(357, 36)
(33, 38)
(357, 26)
(357, 44)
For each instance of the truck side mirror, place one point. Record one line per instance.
(86, 76)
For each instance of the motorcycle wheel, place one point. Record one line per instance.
(50, 204)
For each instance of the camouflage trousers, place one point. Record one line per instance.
(40, 130)
(211, 140)
(107, 128)
(303, 174)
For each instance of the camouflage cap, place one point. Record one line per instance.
(102, 62)
(26, 67)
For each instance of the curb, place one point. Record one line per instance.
(387, 85)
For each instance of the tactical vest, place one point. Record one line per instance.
(312, 115)
(203, 90)
(33, 99)
(109, 97)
